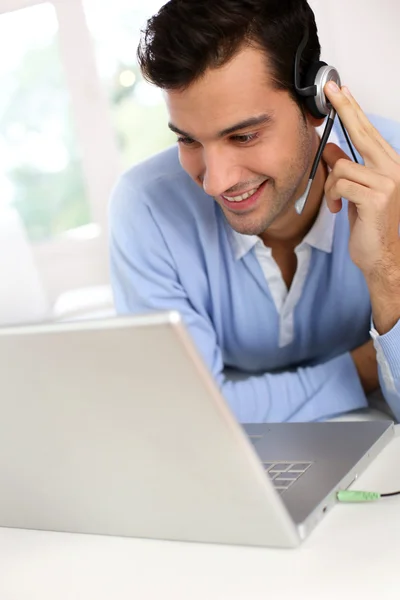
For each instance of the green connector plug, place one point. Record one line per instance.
(356, 496)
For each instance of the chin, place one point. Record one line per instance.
(248, 225)
(253, 223)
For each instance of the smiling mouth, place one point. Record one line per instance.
(242, 197)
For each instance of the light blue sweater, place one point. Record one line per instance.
(171, 248)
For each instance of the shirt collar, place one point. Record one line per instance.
(320, 235)
(241, 244)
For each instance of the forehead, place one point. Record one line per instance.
(222, 96)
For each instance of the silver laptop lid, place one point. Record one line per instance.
(117, 427)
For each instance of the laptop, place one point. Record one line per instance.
(116, 427)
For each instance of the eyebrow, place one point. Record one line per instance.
(253, 121)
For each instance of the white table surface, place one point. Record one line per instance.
(353, 553)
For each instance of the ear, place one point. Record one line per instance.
(313, 121)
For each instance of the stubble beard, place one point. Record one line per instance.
(283, 198)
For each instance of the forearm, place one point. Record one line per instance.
(144, 277)
(387, 348)
(384, 289)
(364, 358)
(306, 394)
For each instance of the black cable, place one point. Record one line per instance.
(391, 494)
(321, 148)
(348, 140)
(300, 204)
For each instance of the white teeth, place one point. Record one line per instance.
(243, 197)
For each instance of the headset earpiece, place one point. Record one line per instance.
(317, 76)
(319, 105)
(309, 80)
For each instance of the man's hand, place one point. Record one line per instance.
(373, 192)
(364, 359)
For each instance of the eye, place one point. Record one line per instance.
(245, 138)
(186, 141)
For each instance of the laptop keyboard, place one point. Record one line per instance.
(285, 473)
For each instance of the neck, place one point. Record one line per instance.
(291, 228)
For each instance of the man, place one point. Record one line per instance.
(278, 304)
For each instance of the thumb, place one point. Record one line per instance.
(332, 153)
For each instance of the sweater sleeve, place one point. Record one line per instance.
(144, 278)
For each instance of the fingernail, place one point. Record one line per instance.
(333, 87)
(346, 91)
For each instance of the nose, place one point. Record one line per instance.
(220, 172)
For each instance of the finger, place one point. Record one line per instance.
(333, 201)
(332, 154)
(359, 195)
(335, 206)
(345, 169)
(359, 132)
(334, 157)
(367, 124)
(352, 214)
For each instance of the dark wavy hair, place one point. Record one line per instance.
(187, 37)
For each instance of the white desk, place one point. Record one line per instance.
(353, 553)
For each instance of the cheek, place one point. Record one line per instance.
(272, 159)
(267, 159)
(191, 162)
(282, 157)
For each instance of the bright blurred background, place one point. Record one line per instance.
(75, 112)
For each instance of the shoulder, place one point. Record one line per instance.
(154, 170)
(388, 128)
(144, 180)
(158, 186)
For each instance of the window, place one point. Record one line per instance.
(61, 158)
(42, 172)
(74, 112)
(137, 108)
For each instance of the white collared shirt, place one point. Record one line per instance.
(320, 237)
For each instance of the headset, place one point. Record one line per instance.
(318, 105)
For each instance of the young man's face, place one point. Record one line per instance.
(255, 171)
